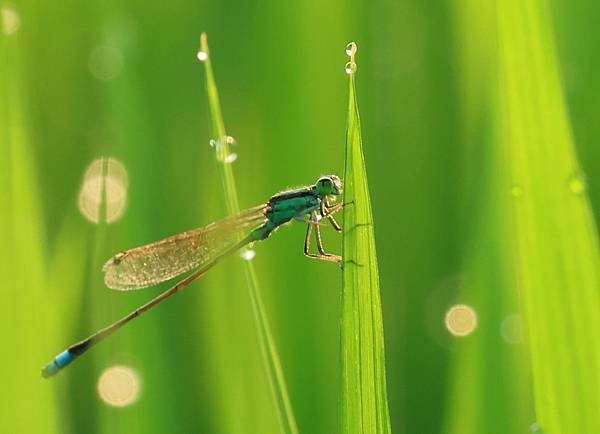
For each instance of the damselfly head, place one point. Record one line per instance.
(328, 185)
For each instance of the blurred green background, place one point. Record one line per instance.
(85, 80)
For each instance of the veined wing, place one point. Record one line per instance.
(162, 260)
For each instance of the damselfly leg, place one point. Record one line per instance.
(327, 212)
(313, 225)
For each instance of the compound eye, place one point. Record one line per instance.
(325, 185)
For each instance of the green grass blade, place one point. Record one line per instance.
(556, 242)
(364, 393)
(275, 375)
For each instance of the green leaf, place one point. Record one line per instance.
(556, 243)
(364, 395)
(285, 414)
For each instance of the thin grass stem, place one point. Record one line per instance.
(222, 144)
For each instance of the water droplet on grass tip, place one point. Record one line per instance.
(248, 254)
(461, 320)
(119, 386)
(351, 49)
(202, 55)
(577, 184)
(10, 20)
(350, 68)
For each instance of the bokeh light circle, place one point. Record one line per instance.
(511, 329)
(106, 62)
(119, 386)
(461, 320)
(10, 21)
(106, 174)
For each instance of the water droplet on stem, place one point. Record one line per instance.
(230, 158)
(248, 254)
(351, 49)
(350, 68)
(222, 149)
(202, 55)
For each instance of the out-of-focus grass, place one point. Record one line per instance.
(489, 374)
(283, 406)
(22, 261)
(364, 406)
(555, 237)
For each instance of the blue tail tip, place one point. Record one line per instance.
(59, 362)
(49, 370)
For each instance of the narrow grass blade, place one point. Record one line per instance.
(556, 242)
(364, 394)
(222, 143)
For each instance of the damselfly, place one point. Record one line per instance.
(202, 248)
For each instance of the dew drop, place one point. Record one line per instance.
(230, 158)
(202, 55)
(516, 191)
(351, 49)
(248, 254)
(222, 150)
(230, 141)
(577, 184)
(350, 68)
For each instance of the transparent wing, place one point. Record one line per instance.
(162, 260)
